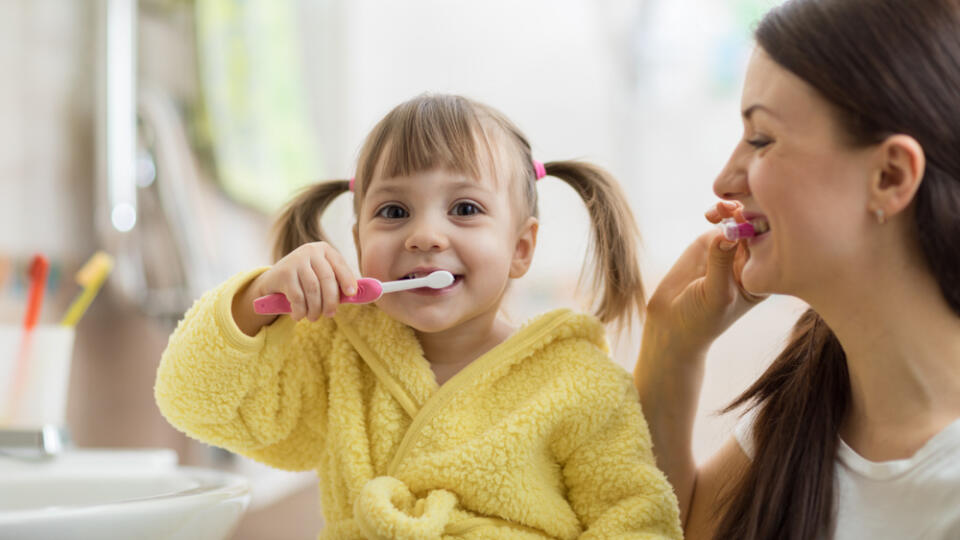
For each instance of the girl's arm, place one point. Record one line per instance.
(698, 299)
(262, 396)
(612, 480)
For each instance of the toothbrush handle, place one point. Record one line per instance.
(368, 290)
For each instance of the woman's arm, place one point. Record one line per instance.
(715, 476)
(698, 299)
(669, 393)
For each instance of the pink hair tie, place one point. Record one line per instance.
(539, 169)
(351, 182)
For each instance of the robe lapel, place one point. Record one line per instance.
(392, 352)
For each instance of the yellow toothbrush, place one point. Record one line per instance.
(91, 276)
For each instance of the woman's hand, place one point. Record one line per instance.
(701, 295)
(698, 299)
(311, 277)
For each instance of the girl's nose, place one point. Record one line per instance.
(426, 235)
(732, 183)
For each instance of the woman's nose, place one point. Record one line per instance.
(731, 183)
(426, 234)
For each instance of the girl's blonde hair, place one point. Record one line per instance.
(437, 131)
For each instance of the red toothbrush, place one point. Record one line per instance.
(39, 267)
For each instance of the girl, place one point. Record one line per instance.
(427, 415)
(850, 159)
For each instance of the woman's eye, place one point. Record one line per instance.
(465, 209)
(392, 211)
(758, 142)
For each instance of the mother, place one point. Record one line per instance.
(851, 157)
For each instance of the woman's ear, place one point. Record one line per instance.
(526, 245)
(900, 171)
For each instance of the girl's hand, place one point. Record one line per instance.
(701, 295)
(311, 277)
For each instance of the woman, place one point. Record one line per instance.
(851, 159)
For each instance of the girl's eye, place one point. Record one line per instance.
(465, 208)
(392, 211)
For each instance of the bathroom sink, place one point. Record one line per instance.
(109, 494)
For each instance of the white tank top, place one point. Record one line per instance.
(915, 498)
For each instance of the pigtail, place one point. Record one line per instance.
(616, 270)
(300, 221)
(788, 489)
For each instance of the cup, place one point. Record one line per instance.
(34, 375)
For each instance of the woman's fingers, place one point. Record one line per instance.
(724, 210)
(691, 266)
(743, 255)
(720, 284)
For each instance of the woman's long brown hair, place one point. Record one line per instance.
(887, 66)
(439, 131)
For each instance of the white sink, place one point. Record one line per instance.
(116, 494)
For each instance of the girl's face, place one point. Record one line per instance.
(794, 169)
(441, 220)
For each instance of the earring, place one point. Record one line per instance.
(881, 216)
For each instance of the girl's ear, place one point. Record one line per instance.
(901, 166)
(526, 245)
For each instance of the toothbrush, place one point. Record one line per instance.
(368, 290)
(39, 267)
(734, 231)
(91, 276)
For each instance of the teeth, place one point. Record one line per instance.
(760, 225)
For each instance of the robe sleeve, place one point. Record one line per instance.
(613, 482)
(263, 397)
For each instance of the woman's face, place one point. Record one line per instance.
(795, 170)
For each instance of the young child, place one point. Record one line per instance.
(426, 415)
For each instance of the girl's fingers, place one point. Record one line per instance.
(345, 278)
(294, 293)
(311, 288)
(329, 288)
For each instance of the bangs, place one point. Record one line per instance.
(427, 133)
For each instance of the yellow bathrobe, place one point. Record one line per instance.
(541, 437)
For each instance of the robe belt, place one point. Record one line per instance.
(385, 509)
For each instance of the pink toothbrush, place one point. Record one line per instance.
(734, 231)
(368, 290)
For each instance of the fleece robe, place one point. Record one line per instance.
(540, 437)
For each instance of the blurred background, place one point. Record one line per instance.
(169, 132)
